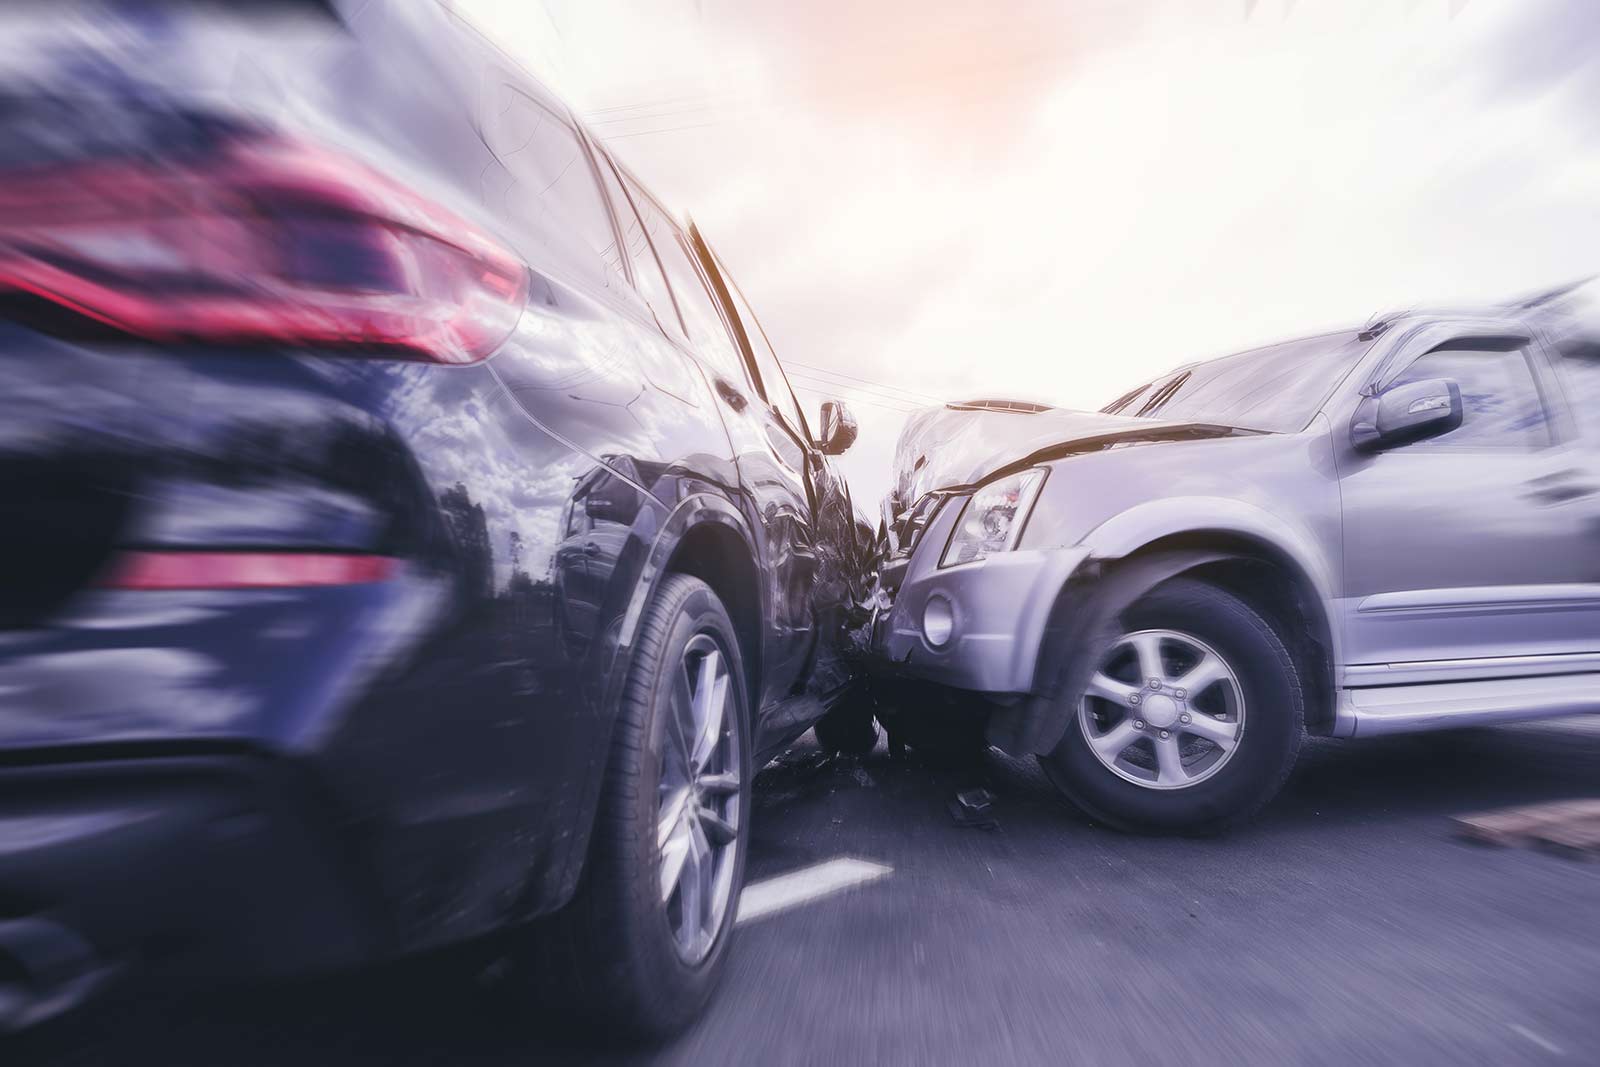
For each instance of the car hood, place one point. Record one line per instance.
(952, 446)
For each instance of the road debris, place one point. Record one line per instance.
(1570, 828)
(974, 808)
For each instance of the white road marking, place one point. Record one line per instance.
(1549, 1046)
(808, 883)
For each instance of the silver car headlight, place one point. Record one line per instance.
(992, 519)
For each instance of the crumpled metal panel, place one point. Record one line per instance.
(957, 445)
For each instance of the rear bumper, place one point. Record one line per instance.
(1000, 605)
(200, 865)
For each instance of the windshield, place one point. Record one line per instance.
(1278, 388)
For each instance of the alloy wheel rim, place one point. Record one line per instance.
(698, 799)
(1163, 711)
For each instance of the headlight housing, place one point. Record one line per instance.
(992, 519)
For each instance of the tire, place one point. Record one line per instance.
(848, 729)
(1258, 699)
(615, 959)
(943, 728)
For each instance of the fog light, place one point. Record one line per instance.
(938, 621)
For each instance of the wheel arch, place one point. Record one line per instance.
(1302, 581)
(1271, 580)
(1253, 554)
(706, 537)
(715, 553)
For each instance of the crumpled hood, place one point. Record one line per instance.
(954, 446)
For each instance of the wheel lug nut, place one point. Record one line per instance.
(1134, 699)
(1164, 735)
(1184, 718)
(1180, 693)
(1155, 683)
(1138, 724)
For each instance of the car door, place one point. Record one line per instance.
(833, 528)
(1474, 548)
(774, 465)
(770, 466)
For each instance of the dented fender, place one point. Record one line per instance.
(1084, 621)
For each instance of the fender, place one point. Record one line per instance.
(1126, 533)
(1083, 620)
(612, 658)
(691, 512)
(1095, 595)
(1196, 516)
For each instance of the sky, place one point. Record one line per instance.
(1059, 200)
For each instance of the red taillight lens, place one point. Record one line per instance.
(270, 242)
(244, 570)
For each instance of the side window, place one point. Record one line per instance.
(554, 191)
(576, 519)
(1580, 359)
(647, 274)
(1501, 406)
(707, 330)
(774, 383)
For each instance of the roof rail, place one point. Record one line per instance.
(1549, 296)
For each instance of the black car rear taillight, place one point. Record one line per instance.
(265, 241)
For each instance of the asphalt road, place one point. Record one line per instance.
(1348, 925)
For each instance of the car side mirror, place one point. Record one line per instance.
(839, 428)
(1410, 411)
(612, 500)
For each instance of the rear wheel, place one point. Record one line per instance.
(1192, 720)
(640, 947)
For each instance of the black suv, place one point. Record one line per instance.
(410, 532)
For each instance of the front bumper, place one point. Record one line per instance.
(205, 864)
(1000, 605)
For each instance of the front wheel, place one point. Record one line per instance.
(640, 947)
(848, 728)
(1192, 720)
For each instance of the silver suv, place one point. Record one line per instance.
(1373, 531)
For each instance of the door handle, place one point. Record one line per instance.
(1560, 494)
(1560, 487)
(731, 396)
(591, 549)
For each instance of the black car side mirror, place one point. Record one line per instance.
(839, 428)
(1410, 411)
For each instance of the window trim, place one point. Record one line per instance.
(713, 270)
(655, 254)
(803, 431)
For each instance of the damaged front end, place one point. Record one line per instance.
(964, 601)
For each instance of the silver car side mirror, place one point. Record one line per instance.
(1410, 411)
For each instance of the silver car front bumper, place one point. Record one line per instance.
(999, 606)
